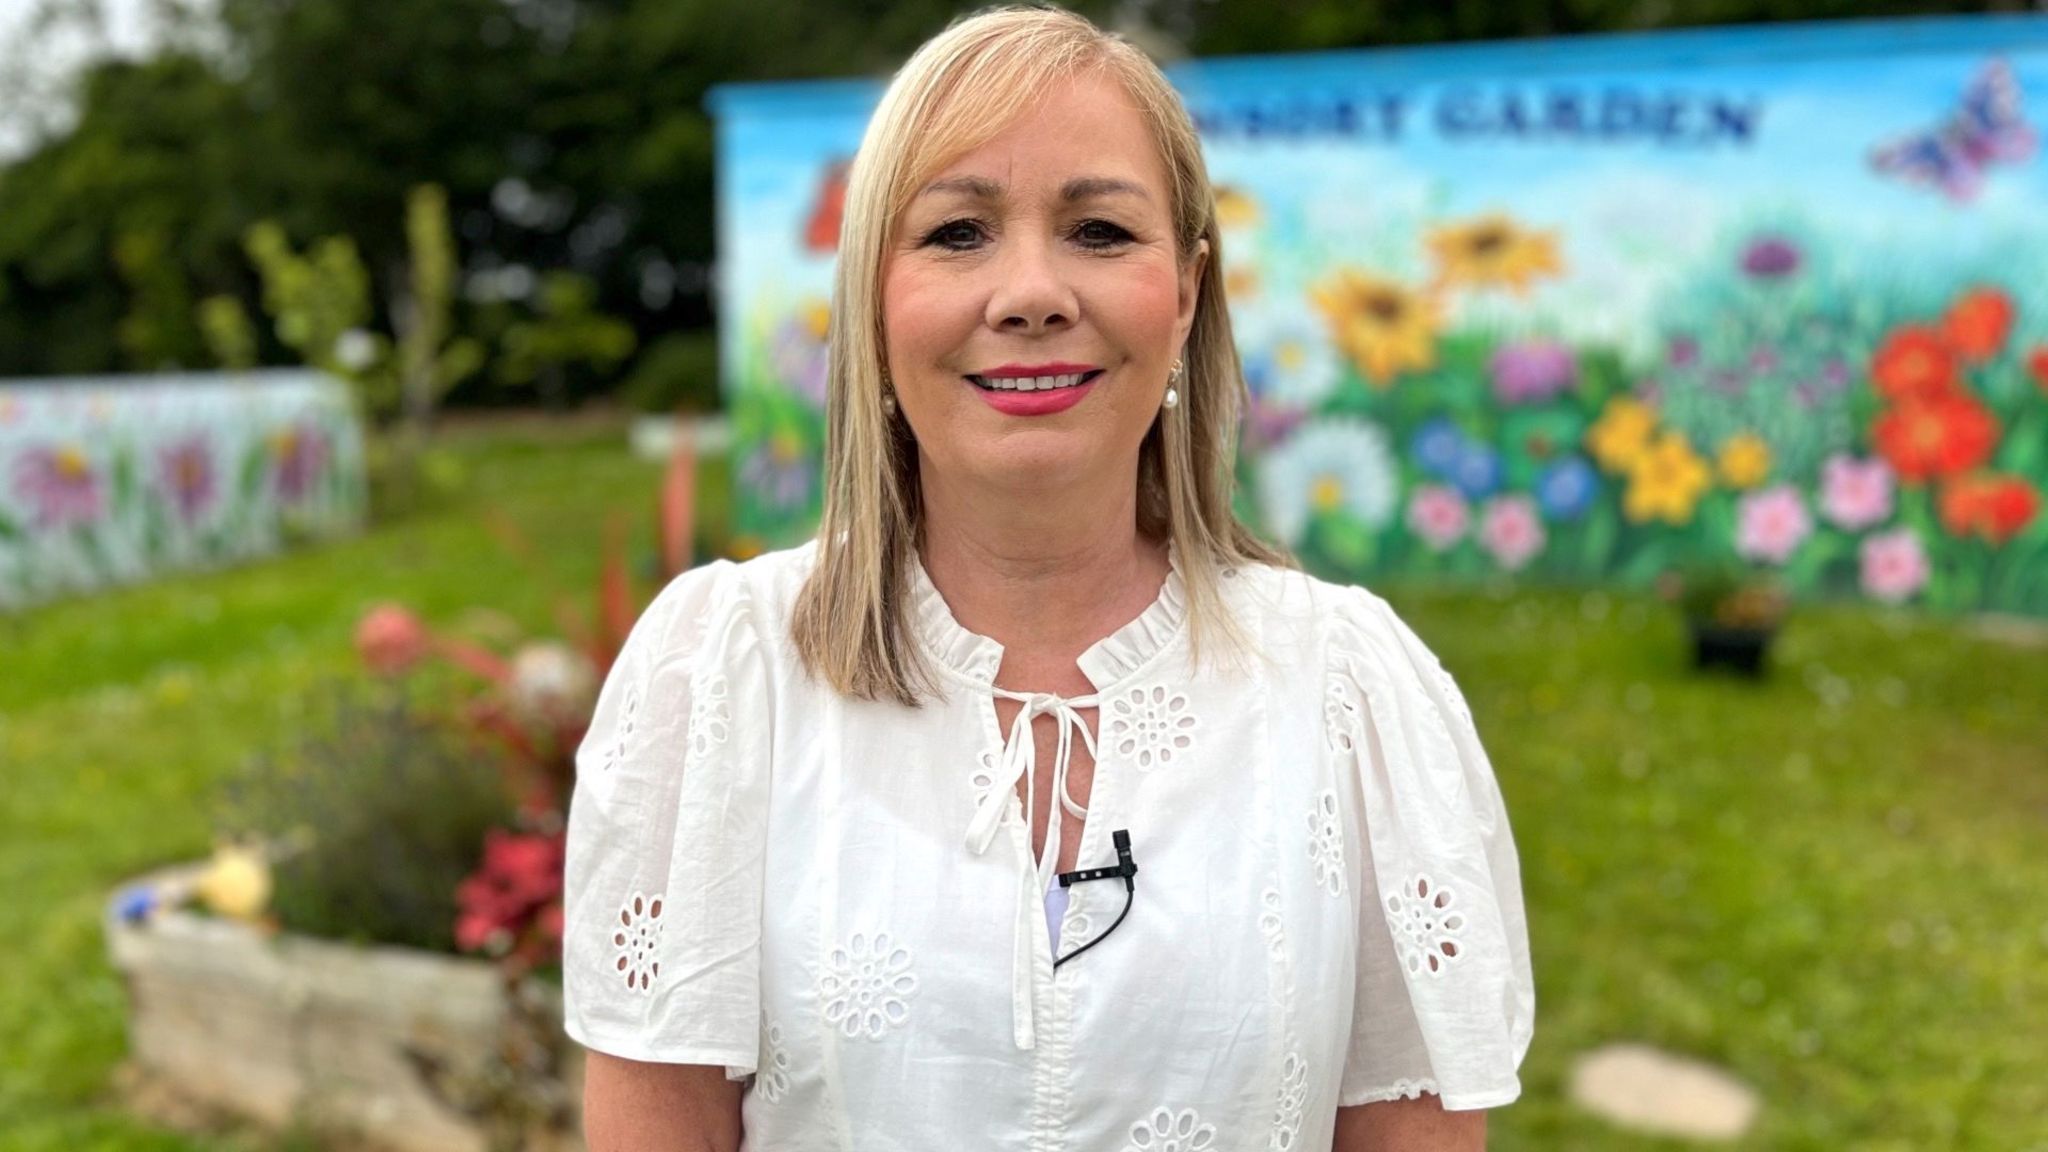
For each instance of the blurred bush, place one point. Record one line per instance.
(377, 811)
(677, 373)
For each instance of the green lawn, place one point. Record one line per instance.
(1833, 884)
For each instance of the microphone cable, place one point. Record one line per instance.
(1126, 868)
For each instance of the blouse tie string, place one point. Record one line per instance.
(1020, 760)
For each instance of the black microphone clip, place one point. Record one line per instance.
(1125, 866)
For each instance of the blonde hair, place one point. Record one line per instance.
(852, 625)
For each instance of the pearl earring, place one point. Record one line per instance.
(1173, 376)
(889, 404)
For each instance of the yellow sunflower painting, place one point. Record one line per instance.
(1622, 434)
(1493, 251)
(1234, 209)
(1384, 327)
(1666, 481)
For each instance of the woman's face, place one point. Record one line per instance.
(1033, 302)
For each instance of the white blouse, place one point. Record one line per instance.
(838, 898)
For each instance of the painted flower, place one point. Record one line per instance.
(1287, 360)
(1477, 471)
(1770, 258)
(1510, 530)
(1566, 489)
(798, 353)
(1531, 371)
(60, 484)
(2037, 367)
(1940, 436)
(1914, 363)
(1622, 433)
(778, 472)
(1894, 565)
(1990, 507)
(1493, 251)
(1977, 323)
(1437, 446)
(1744, 461)
(297, 454)
(186, 472)
(1770, 525)
(1855, 494)
(1384, 327)
(1267, 423)
(1337, 465)
(1665, 481)
(1681, 350)
(1438, 516)
(1235, 208)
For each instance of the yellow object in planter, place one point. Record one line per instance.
(236, 884)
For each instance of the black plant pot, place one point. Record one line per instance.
(1740, 650)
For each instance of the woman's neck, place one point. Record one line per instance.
(1044, 583)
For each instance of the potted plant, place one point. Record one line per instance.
(1731, 615)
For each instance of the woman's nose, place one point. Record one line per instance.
(1030, 294)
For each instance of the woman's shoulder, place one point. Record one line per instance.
(723, 594)
(1293, 602)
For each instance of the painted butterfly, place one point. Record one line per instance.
(1988, 129)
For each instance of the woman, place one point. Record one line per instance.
(1036, 804)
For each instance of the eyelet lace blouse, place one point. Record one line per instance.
(837, 899)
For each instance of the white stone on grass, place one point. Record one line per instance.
(1638, 1087)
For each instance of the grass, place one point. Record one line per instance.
(1830, 883)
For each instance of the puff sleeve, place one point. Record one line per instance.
(1445, 999)
(667, 834)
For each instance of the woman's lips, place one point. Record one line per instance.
(1038, 392)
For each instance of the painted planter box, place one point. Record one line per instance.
(372, 1042)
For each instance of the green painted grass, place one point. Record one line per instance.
(1832, 883)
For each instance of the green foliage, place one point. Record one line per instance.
(319, 302)
(563, 332)
(158, 333)
(382, 808)
(679, 373)
(431, 360)
(230, 337)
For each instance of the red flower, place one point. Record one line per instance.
(2037, 366)
(390, 639)
(512, 904)
(1939, 436)
(1977, 324)
(1991, 507)
(1914, 363)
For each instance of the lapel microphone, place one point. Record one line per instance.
(1124, 867)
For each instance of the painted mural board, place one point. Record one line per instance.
(115, 480)
(1576, 310)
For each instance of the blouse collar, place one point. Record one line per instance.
(1105, 662)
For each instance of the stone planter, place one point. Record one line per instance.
(391, 1046)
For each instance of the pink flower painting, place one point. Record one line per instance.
(1894, 565)
(1438, 516)
(1855, 494)
(1771, 524)
(1511, 531)
(60, 484)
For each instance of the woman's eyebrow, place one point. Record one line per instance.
(1092, 187)
(1079, 188)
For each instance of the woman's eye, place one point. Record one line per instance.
(1100, 234)
(956, 235)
